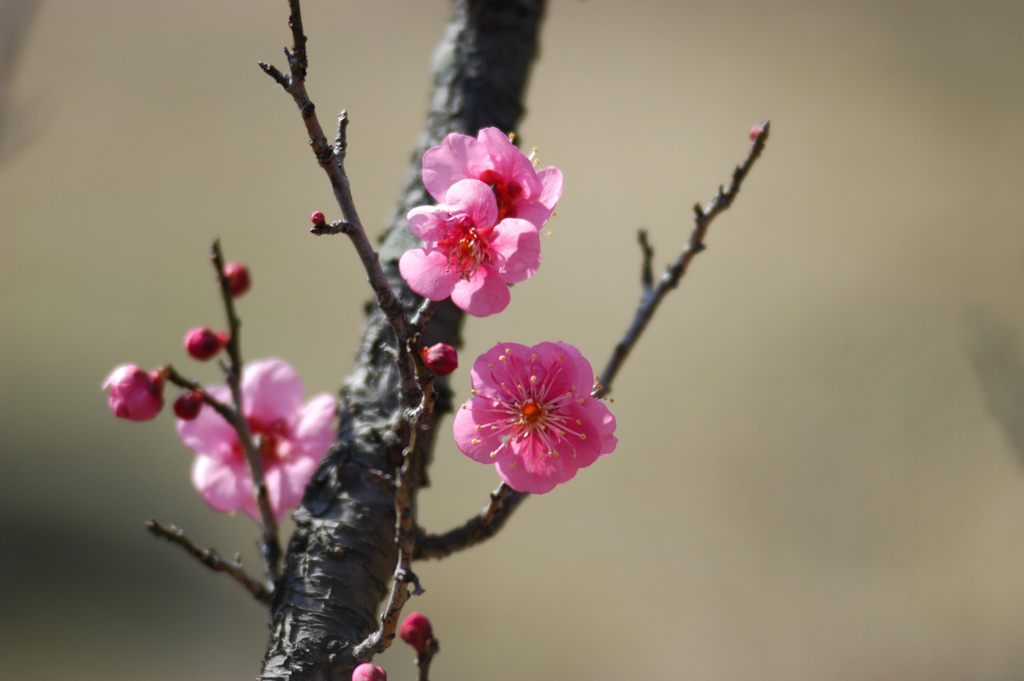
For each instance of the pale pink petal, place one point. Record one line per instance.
(225, 485)
(427, 273)
(271, 389)
(510, 162)
(484, 294)
(428, 222)
(556, 369)
(314, 431)
(475, 199)
(209, 433)
(605, 422)
(459, 157)
(517, 243)
(551, 181)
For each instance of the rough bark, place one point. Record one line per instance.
(342, 556)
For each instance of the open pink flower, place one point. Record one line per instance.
(521, 191)
(293, 437)
(532, 415)
(468, 253)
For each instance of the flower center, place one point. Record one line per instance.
(506, 194)
(273, 439)
(466, 247)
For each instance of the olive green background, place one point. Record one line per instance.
(809, 483)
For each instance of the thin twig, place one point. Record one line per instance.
(213, 560)
(503, 502)
(424, 659)
(675, 271)
(270, 546)
(646, 271)
(330, 159)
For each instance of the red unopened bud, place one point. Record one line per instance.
(202, 344)
(440, 358)
(188, 405)
(754, 132)
(318, 218)
(238, 278)
(369, 672)
(135, 394)
(417, 632)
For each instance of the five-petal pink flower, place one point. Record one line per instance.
(468, 253)
(521, 191)
(293, 437)
(532, 415)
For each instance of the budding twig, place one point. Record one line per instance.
(331, 160)
(270, 547)
(674, 272)
(213, 560)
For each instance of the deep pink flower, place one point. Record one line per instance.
(521, 191)
(135, 394)
(293, 436)
(532, 415)
(468, 253)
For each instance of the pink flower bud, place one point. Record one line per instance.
(188, 405)
(318, 218)
(754, 132)
(369, 672)
(238, 278)
(441, 359)
(202, 343)
(417, 632)
(135, 394)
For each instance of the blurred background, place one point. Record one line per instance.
(817, 475)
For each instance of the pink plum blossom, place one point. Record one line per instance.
(135, 394)
(532, 415)
(293, 437)
(468, 253)
(521, 191)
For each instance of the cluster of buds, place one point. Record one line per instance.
(138, 395)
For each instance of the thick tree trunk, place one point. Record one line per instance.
(343, 554)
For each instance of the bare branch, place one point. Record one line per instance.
(503, 503)
(213, 560)
(331, 162)
(674, 272)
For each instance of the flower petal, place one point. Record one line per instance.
(271, 389)
(209, 433)
(314, 431)
(517, 242)
(483, 294)
(428, 273)
(475, 199)
(225, 485)
(459, 157)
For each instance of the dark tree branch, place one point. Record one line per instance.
(343, 554)
(211, 559)
(674, 272)
(504, 501)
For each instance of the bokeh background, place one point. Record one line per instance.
(817, 475)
